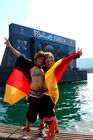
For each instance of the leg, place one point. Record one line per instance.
(31, 114)
(27, 126)
(41, 123)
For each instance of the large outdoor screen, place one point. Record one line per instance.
(58, 50)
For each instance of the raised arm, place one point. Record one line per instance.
(79, 51)
(8, 44)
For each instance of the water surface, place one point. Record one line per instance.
(74, 109)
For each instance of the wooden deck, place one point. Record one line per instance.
(11, 132)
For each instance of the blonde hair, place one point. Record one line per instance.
(49, 54)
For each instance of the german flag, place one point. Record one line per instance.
(19, 82)
(17, 87)
(55, 73)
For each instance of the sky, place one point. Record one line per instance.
(68, 18)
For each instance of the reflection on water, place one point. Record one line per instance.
(75, 106)
(74, 109)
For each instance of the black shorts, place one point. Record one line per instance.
(47, 107)
(34, 109)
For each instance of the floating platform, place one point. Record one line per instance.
(28, 41)
(12, 132)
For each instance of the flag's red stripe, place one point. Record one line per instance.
(18, 80)
(60, 69)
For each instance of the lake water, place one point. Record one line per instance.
(74, 109)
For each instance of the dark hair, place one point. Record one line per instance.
(39, 54)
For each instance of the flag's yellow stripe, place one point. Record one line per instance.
(13, 95)
(52, 86)
(51, 82)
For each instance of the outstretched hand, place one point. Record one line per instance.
(79, 51)
(7, 42)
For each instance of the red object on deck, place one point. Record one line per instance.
(51, 127)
